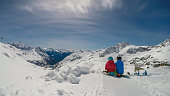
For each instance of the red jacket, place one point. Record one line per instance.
(110, 66)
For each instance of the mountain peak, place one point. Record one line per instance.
(21, 45)
(122, 45)
(116, 48)
(164, 43)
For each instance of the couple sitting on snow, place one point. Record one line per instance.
(116, 69)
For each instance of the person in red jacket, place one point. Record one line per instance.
(110, 66)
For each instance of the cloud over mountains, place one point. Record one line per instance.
(69, 8)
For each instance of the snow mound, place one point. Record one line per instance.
(80, 70)
(69, 75)
(74, 80)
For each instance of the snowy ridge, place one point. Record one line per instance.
(116, 48)
(64, 50)
(164, 44)
(45, 57)
(31, 54)
(22, 46)
(25, 54)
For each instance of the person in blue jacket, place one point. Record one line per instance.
(119, 67)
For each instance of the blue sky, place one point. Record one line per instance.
(84, 24)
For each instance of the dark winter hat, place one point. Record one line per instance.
(110, 58)
(119, 58)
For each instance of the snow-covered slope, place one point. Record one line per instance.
(79, 74)
(26, 53)
(16, 72)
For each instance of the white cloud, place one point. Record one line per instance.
(74, 15)
(27, 8)
(70, 8)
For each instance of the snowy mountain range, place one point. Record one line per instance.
(37, 55)
(131, 54)
(79, 72)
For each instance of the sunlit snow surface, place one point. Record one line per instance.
(80, 75)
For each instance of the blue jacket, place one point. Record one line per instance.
(119, 67)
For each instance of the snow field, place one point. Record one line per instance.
(80, 75)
